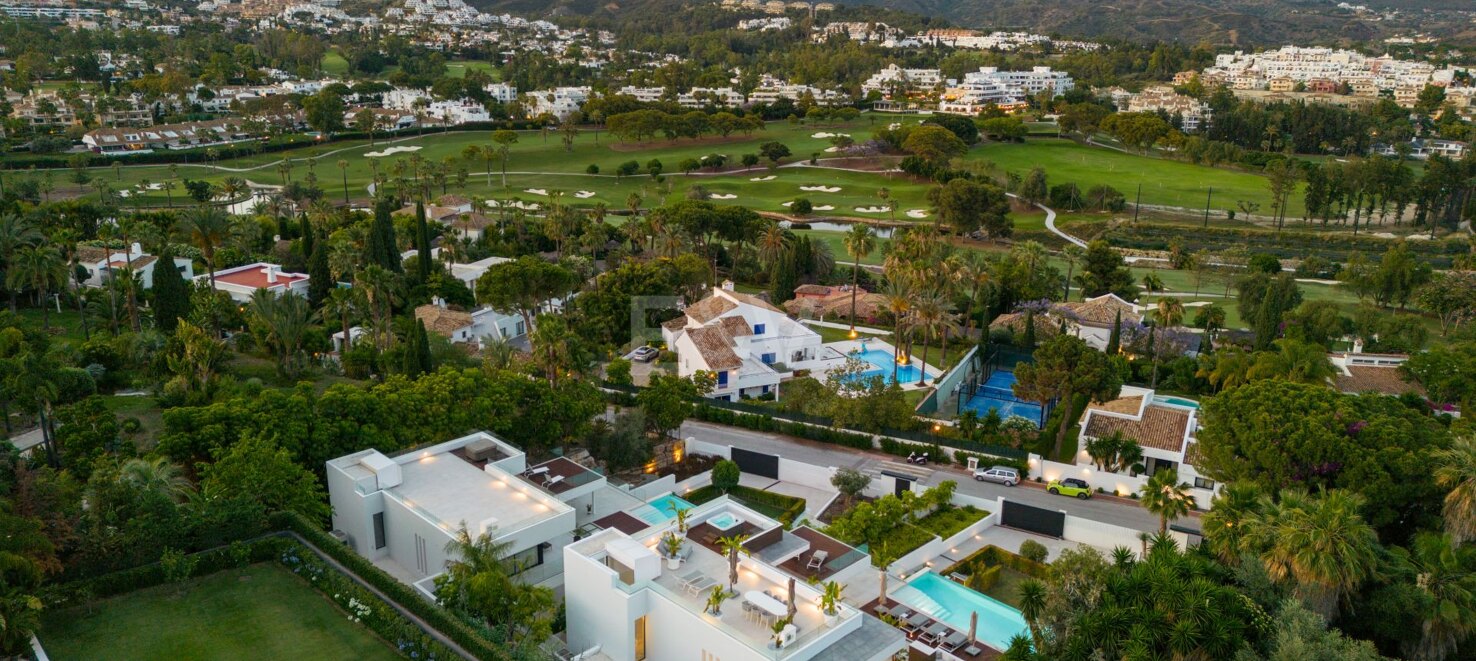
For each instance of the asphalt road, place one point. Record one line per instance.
(1105, 510)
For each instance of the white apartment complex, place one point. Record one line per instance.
(1194, 113)
(1289, 65)
(987, 85)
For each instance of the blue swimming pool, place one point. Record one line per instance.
(1176, 401)
(882, 363)
(952, 604)
(997, 394)
(661, 510)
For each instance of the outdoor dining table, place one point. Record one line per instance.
(769, 604)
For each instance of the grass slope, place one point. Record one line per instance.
(261, 612)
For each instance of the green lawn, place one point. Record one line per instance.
(1165, 182)
(1007, 587)
(260, 612)
(334, 64)
(458, 68)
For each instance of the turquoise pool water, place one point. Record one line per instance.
(1176, 401)
(662, 509)
(881, 363)
(724, 521)
(952, 604)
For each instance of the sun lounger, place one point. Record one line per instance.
(900, 612)
(953, 640)
(701, 585)
(689, 577)
(933, 633)
(817, 560)
(915, 623)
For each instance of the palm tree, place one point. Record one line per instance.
(881, 559)
(341, 304)
(169, 185)
(1450, 614)
(1224, 523)
(1152, 282)
(1170, 312)
(885, 195)
(927, 317)
(550, 341)
(731, 546)
(1226, 369)
(498, 352)
(1455, 469)
(40, 268)
(154, 475)
(1032, 608)
(343, 170)
(283, 321)
(773, 244)
(899, 303)
(1165, 496)
(15, 233)
(230, 187)
(504, 139)
(207, 228)
(1030, 254)
(1211, 318)
(1073, 254)
(1303, 362)
(1320, 544)
(381, 291)
(860, 243)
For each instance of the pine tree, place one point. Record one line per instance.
(320, 278)
(422, 244)
(1114, 341)
(381, 246)
(171, 293)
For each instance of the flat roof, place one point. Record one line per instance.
(256, 278)
(570, 475)
(452, 491)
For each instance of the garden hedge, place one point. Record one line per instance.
(788, 508)
(1288, 243)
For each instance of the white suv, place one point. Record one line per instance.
(1001, 474)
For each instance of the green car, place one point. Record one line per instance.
(1070, 487)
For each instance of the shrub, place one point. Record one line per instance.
(1033, 550)
(725, 475)
(948, 522)
(982, 581)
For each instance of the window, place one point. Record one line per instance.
(722, 378)
(378, 530)
(640, 638)
(758, 329)
(1201, 483)
(768, 358)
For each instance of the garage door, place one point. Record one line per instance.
(1033, 519)
(757, 463)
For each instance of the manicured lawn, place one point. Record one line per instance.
(1165, 182)
(261, 612)
(334, 64)
(459, 68)
(1007, 587)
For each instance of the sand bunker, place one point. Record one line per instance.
(768, 178)
(392, 150)
(823, 135)
(871, 209)
(824, 207)
(917, 213)
(722, 196)
(536, 191)
(584, 194)
(516, 204)
(821, 189)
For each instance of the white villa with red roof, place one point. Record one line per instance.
(750, 345)
(243, 281)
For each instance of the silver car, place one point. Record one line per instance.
(1001, 474)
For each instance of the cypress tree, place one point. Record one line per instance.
(1114, 341)
(422, 244)
(171, 292)
(320, 281)
(305, 230)
(786, 278)
(381, 245)
(1028, 341)
(416, 359)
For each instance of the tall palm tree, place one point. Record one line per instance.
(730, 547)
(283, 321)
(1224, 523)
(15, 233)
(550, 341)
(1032, 608)
(380, 287)
(343, 172)
(1226, 369)
(1455, 469)
(206, 228)
(1170, 312)
(341, 304)
(773, 245)
(927, 317)
(40, 268)
(1303, 362)
(1030, 254)
(860, 243)
(1165, 496)
(1443, 575)
(1073, 254)
(1319, 544)
(899, 303)
(230, 187)
(1211, 318)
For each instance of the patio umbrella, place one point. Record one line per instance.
(973, 626)
(792, 607)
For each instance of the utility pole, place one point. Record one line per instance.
(1207, 199)
(1138, 202)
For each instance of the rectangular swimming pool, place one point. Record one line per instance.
(952, 604)
(882, 364)
(663, 509)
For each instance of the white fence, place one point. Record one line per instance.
(658, 487)
(1121, 484)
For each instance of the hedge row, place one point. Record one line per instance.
(1288, 243)
(786, 509)
(237, 554)
(993, 556)
(433, 614)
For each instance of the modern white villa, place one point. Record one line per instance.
(1164, 426)
(749, 344)
(103, 263)
(243, 281)
(629, 602)
(401, 511)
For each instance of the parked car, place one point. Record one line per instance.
(645, 354)
(1001, 474)
(1070, 487)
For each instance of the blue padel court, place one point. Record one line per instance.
(996, 394)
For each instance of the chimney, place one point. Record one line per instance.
(271, 274)
(137, 249)
(1357, 345)
(439, 302)
(727, 285)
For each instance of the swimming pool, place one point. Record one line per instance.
(952, 604)
(661, 510)
(1176, 401)
(881, 363)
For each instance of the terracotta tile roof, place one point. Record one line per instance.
(138, 262)
(1101, 311)
(755, 301)
(674, 324)
(716, 347)
(441, 320)
(1046, 325)
(452, 200)
(92, 253)
(472, 221)
(815, 290)
(1161, 427)
(735, 326)
(868, 306)
(1367, 378)
(710, 308)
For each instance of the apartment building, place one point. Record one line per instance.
(1194, 113)
(893, 76)
(1303, 65)
(146, 140)
(1024, 83)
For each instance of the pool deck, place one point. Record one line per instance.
(985, 651)
(845, 347)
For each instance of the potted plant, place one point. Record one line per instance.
(778, 638)
(673, 544)
(715, 600)
(830, 602)
(681, 518)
